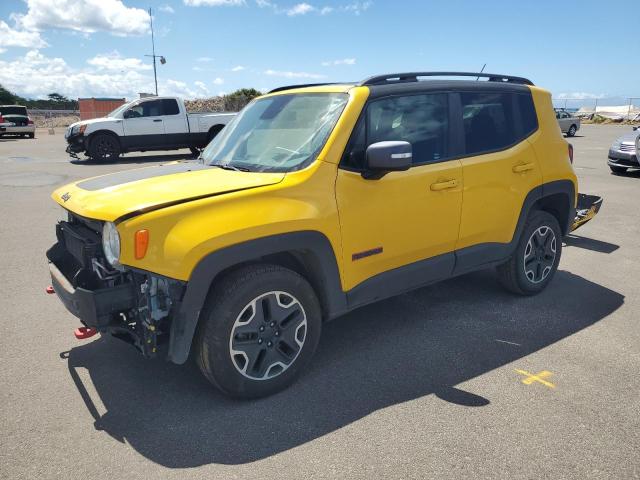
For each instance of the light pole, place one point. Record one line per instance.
(153, 54)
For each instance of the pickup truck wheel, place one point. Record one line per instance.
(617, 170)
(536, 258)
(104, 147)
(195, 151)
(261, 327)
(572, 131)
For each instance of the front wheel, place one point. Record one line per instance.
(536, 258)
(104, 147)
(261, 326)
(572, 131)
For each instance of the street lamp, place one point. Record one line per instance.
(153, 55)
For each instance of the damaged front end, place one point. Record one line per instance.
(133, 305)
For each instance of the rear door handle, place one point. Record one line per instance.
(525, 167)
(158, 120)
(436, 187)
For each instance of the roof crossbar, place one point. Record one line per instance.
(392, 78)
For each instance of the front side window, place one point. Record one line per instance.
(488, 122)
(421, 120)
(277, 134)
(151, 108)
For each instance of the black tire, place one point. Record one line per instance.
(31, 135)
(539, 248)
(618, 170)
(195, 151)
(104, 146)
(572, 131)
(238, 348)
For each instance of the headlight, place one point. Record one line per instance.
(75, 129)
(111, 243)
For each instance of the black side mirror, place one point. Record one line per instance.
(636, 127)
(385, 157)
(127, 114)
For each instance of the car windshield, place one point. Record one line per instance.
(13, 111)
(277, 134)
(117, 111)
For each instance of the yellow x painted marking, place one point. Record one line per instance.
(539, 377)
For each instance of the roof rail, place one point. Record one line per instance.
(392, 78)
(303, 85)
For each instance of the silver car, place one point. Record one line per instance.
(21, 123)
(623, 153)
(568, 123)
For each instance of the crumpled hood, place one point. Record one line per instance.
(131, 192)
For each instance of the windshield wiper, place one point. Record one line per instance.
(226, 166)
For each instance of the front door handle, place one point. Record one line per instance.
(525, 167)
(158, 120)
(436, 187)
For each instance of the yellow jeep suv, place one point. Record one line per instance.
(313, 201)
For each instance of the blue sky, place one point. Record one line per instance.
(89, 47)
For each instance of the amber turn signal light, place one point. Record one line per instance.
(142, 242)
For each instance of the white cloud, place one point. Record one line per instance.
(166, 9)
(19, 38)
(326, 10)
(214, 3)
(285, 74)
(86, 16)
(115, 62)
(237, 68)
(579, 96)
(218, 81)
(344, 61)
(356, 7)
(300, 9)
(35, 75)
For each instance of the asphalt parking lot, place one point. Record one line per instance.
(455, 380)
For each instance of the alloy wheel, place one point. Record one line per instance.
(268, 335)
(540, 254)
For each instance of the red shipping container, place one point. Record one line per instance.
(98, 107)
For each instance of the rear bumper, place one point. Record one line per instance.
(588, 207)
(21, 130)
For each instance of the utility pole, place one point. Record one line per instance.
(153, 54)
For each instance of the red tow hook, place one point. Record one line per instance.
(50, 290)
(83, 333)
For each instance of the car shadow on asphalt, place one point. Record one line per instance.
(420, 343)
(135, 159)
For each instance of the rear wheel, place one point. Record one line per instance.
(195, 151)
(618, 170)
(536, 259)
(213, 132)
(572, 131)
(31, 135)
(261, 327)
(104, 147)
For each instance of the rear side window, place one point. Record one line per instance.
(170, 106)
(527, 112)
(422, 120)
(488, 121)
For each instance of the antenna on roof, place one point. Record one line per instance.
(483, 67)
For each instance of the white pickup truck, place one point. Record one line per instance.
(151, 123)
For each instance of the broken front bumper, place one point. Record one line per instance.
(588, 207)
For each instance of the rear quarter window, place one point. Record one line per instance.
(527, 111)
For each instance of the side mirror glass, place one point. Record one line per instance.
(385, 157)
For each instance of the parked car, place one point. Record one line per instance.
(151, 123)
(569, 124)
(314, 201)
(624, 152)
(18, 116)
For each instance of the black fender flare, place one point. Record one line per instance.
(315, 244)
